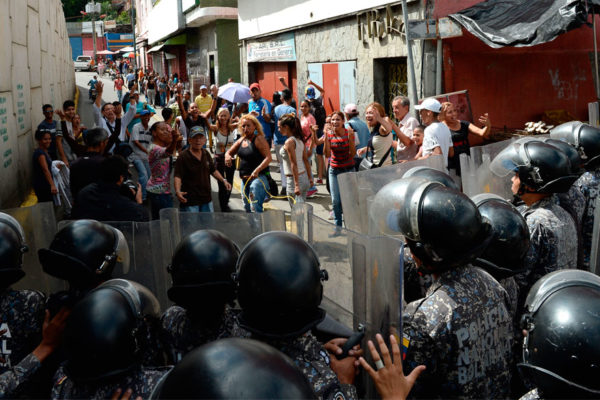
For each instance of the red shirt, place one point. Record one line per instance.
(340, 151)
(119, 84)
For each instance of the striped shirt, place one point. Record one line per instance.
(340, 151)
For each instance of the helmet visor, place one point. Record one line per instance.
(122, 253)
(16, 226)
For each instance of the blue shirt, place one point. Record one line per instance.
(362, 130)
(258, 106)
(280, 111)
(139, 108)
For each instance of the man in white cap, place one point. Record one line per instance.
(438, 139)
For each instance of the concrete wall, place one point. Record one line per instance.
(35, 68)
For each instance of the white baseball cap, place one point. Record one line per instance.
(430, 104)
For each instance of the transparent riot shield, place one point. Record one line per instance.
(39, 224)
(239, 227)
(595, 250)
(357, 187)
(476, 175)
(149, 256)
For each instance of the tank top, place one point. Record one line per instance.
(287, 163)
(460, 142)
(340, 151)
(250, 158)
(224, 142)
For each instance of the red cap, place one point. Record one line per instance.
(255, 85)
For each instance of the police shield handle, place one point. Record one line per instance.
(390, 381)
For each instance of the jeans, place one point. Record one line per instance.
(304, 184)
(208, 207)
(143, 170)
(163, 98)
(120, 95)
(334, 188)
(255, 190)
(227, 173)
(158, 201)
(280, 162)
(150, 95)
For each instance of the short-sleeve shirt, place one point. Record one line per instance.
(54, 129)
(258, 106)
(280, 111)
(144, 136)
(195, 176)
(437, 135)
(160, 168)
(340, 151)
(306, 122)
(119, 84)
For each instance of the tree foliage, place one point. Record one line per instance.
(73, 8)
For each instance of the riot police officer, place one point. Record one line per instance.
(105, 341)
(462, 329)
(280, 290)
(561, 351)
(586, 140)
(504, 257)
(203, 289)
(539, 172)
(253, 369)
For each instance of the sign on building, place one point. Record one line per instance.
(282, 48)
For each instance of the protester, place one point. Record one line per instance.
(278, 138)
(318, 111)
(437, 139)
(50, 126)
(461, 131)
(407, 124)
(192, 175)
(107, 119)
(224, 130)
(260, 108)
(295, 161)
(159, 157)
(141, 138)
(255, 156)
(86, 169)
(340, 148)
(308, 123)
(118, 86)
(43, 184)
(358, 126)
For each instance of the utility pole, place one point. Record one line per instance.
(132, 9)
(93, 10)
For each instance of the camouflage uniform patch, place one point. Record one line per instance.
(11, 379)
(416, 283)
(462, 332)
(23, 314)
(588, 184)
(313, 360)
(180, 334)
(141, 381)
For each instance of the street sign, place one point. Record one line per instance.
(431, 29)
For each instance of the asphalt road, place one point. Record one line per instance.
(321, 202)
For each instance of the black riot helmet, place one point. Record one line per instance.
(574, 157)
(105, 333)
(541, 167)
(561, 351)
(12, 248)
(442, 226)
(432, 174)
(234, 369)
(85, 253)
(505, 254)
(279, 285)
(585, 138)
(202, 267)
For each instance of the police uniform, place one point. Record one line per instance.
(462, 332)
(512, 289)
(313, 360)
(181, 334)
(553, 244)
(416, 283)
(141, 381)
(22, 318)
(11, 379)
(588, 185)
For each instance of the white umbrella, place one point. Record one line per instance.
(235, 92)
(105, 52)
(126, 49)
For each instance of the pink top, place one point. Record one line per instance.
(307, 122)
(160, 167)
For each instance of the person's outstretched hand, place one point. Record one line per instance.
(389, 379)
